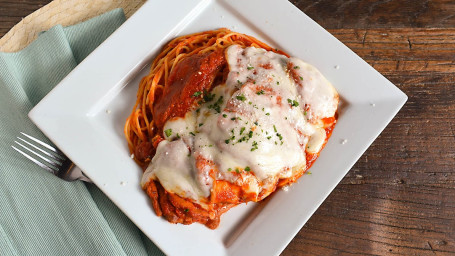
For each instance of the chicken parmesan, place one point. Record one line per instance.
(224, 119)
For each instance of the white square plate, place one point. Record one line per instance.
(84, 116)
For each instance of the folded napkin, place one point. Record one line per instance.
(39, 213)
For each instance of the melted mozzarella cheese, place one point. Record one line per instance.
(261, 120)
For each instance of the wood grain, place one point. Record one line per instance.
(12, 11)
(379, 13)
(399, 198)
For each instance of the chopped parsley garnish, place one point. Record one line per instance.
(192, 133)
(296, 67)
(260, 92)
(197, 94)
(255, 146)
(207, 97)
(168, 132)
(250, 134)
(241, 97)
(233, 118)
(229, 169)
(279, 136)
(274, 128)
(237, 170)
(238, 81)
(267, 114)
(178, 136)
(242, 139)
(224, 115)
(278, 83)
(227, 141)
(249, 67)
(301, 78)
(269, 137)
(201, 124)
(293, 103)
(305, 112)
(256, 123)
(242, 130)
(217, 105)
(186, 210)
(247, 169)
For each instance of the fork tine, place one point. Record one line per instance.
(56, 157)
(34, 160)
(52, 164)
(41, 143)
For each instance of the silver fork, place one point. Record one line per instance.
(49, 158)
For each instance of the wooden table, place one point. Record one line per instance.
(399, 199)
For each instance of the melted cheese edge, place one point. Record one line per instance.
(262, 121)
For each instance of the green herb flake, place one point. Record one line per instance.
(247, 169)
(242, 130)
(192, 133)
(229, 169)
(168, 132)
(241, 97)
(224, 115)
(301, 78)
(255, 146)
(197, 94)
(260, 92)
(293, 103)
(207, 97)
(267, 114)
(279, 136)
(217, 105)
(249, 67)
(227, 141)
(237, 170)
(296, 67)
(274, 128)
(278, 83)
(186, 210)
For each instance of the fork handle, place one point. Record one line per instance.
(72, 172)
(77, 174)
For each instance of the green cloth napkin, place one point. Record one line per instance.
(39, 213)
